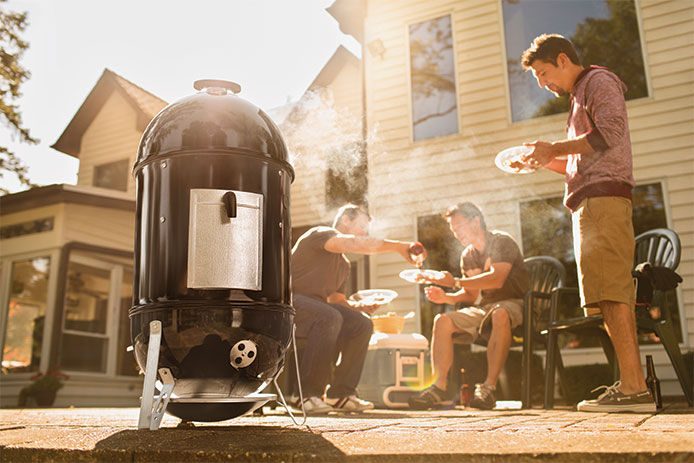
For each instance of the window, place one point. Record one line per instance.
(113, 175)
(543, 218)
(346, 179)
(125, 361)
(85, 318)
(95, 325)
(26, 315)
(432, 69)
(604, 32)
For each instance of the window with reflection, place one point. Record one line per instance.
(346, 178)
(432, 71)
(125, 361)
(85, 317)
(546, 230)
(443, 253)
(26, 315)
(113, 175)
(604, 32)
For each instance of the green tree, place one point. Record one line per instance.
(612, 42)
(12, 75)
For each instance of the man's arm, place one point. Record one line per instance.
(464, 295)
(437, 295)
(494, 278)
(342, 243)
(545, 152)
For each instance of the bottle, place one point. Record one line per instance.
(653, 383)
(465, 393)
(417, 253)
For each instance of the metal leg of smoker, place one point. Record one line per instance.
(151, 413)
(162, 400)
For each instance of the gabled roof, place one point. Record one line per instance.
(350, 16)
(327, 74)
(340, 58)
(146, 106)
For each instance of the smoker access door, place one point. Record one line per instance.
(225, 236)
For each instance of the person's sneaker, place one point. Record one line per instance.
(483, 398)
(430, 398)
(614, 400)
(350, 404)
(313, 406)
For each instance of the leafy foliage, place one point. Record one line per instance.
(51, 381)
(12, 75)
(612, 42)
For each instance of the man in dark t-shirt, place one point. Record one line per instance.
(493, 271)
(330, 323)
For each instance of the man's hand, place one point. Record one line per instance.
(436, 295)
(413, 252)
(368, 309)
(543, 153)
(339, 298)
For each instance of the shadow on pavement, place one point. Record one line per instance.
(223, 441)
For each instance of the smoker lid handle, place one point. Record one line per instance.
(213, 83)
(229, 200)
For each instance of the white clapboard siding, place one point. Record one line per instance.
(33, 241)
(99, 226)
(113, 135)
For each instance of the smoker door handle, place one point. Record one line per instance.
(229, 200)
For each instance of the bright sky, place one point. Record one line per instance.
(273, 48)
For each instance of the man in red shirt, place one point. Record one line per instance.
(596, 161)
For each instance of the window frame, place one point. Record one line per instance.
(116, 272)
(562, 115)
(408, 65)
(5, 285)
(668, 221)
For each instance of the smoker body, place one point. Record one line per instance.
(212, 249)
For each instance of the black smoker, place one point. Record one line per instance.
(212, 249)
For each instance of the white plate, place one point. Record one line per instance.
(505, 159)
(374, 296)
(416, 275)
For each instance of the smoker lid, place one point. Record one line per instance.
(213, 119)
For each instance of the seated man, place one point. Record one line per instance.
(330, 323)
(492, 265)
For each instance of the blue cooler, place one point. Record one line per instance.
(394, 369)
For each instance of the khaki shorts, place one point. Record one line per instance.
(475, 321)
(604, 250)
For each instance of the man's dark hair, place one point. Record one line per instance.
(351, 211)
(546, 47)
(467, 210)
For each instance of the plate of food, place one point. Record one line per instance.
(373, 296)
(509, 160)
(418, 275)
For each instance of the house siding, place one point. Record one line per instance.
(342, 94)
(113, 135)
(99, 226)
(409, 179)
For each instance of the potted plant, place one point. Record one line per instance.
(43, 388)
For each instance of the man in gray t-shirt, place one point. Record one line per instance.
(330, 323)
(493, 271)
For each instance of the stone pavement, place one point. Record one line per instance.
(513, 435)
